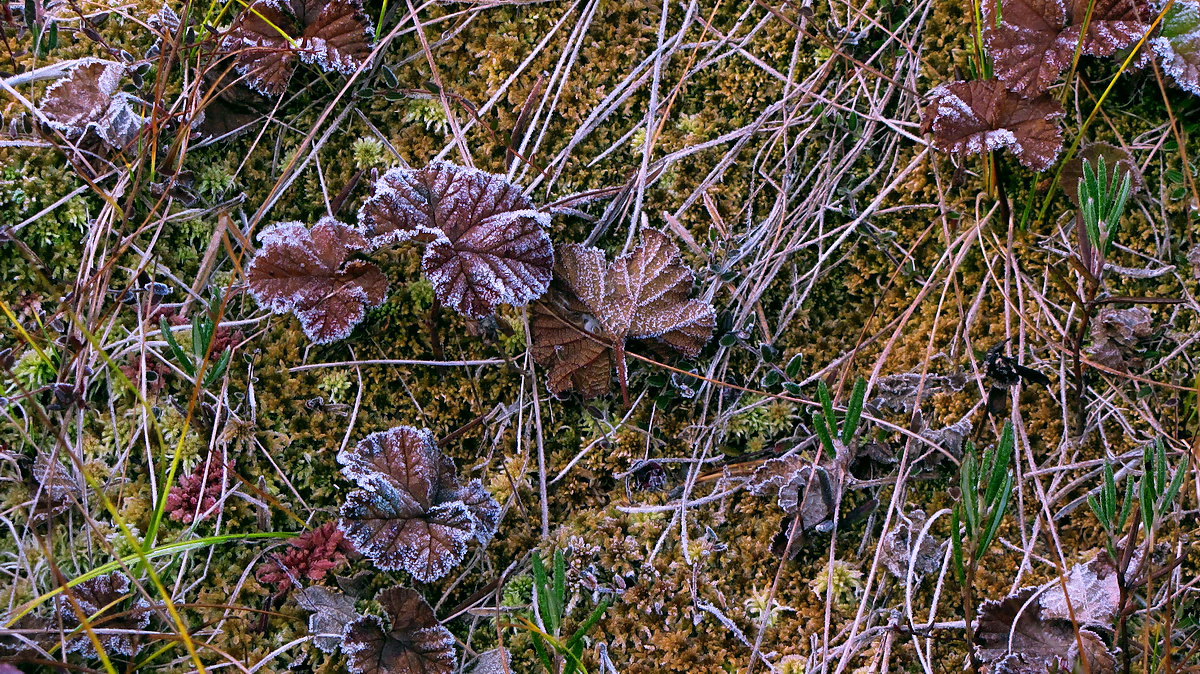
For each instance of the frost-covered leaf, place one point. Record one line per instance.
(82, 97)
(897, 548)
(412, 641)
(329, 613)
(1115, 337)
(1036, 39)
(87, 99)
(977, 116)
(811, 492)
(308, 272)
(1093, 590)
(643, 294)
(1114, 158)
(1178, 44)
(495, 661)
(270, 36)
(1014, 636)
(109, 592)
(485, 243)
(410, 511)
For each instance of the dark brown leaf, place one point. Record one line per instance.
(485, 243)
(643, 294)
(270, 36)
(82, 97)
(1036, 39)
(103, 600)
(1014, 636)
(307, 272)
(410, 511)
(413, 641)
(1113, 157)
(977, 116)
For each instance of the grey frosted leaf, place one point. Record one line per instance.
(122, 121)
(329, 613)
(410, 511)
(493, 662)
(1178, 44)
(307, 272)
(1093, 591)
(774, 474)
(898, 548)
(643, 294)
(485, 243)
(411, 642)
(978, 116)
(82, 98)
(108, 593)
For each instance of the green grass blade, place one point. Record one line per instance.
(854, 411)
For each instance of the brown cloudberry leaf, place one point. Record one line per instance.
(87, 99)
(1036, 39)
(581, 331)
(976, 116)
(486, 245)
(410, 512)
(103, 599)
(270, 36)
(413, 641)
(1014, 635)
(308, 272)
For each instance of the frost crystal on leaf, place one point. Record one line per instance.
(1036, 39)
(1093, 591)
(978, 116)
(1015, 635)
(87, 100)
(413, 641)
(105, 593)
(308, 273)
(330, 612)
(485, 243)
(410, 512)
(1178, 44)
(580, 331)
(269, 36)
(898, 543)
